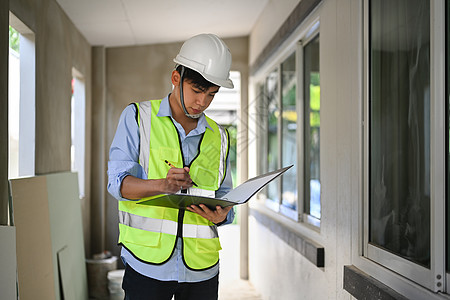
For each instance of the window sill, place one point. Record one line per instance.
(312, 251)
(362, 286)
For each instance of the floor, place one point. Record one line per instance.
(231, 287)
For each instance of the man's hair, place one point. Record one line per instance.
(195, 78)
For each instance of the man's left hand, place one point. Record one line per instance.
(216, 216)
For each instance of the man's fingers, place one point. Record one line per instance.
(223, 211)
(179, 177)
(215, 216)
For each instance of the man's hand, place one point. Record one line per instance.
(216, 216)
(177, 179)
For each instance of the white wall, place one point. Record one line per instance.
(270, 20)
(276, 270)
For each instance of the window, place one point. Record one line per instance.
(13, 102)
(78, 131)
(405, 150)
(21, 99)
(273, 110)
(292, 89)
(289, 132)
(278, 128)
(312, 130)
(400, 132)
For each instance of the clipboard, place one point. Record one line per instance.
(239, 195)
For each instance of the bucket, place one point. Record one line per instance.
(97, 270)
(115, 285)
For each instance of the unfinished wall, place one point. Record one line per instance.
(143, 73)
(4, 17)
(59, 48)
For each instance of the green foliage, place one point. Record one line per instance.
(314, 102)
(13, 39)
(315, 78)
(314, 119)
(290, 97)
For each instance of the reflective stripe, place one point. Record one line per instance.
(145, 109)
(145, 118)
(167, 226)
(223, 153)
(148, 224)
(200, 231)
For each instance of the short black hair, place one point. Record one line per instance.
(195, 78)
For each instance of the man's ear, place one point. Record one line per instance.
(176, 77)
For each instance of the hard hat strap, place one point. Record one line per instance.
(182, 97)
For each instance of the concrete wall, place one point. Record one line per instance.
(4, 17)
(278, 271)
(270, 20)
(141, 73)
(59, 48)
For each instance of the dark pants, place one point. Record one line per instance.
(140, 287)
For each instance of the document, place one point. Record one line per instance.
(239, 195)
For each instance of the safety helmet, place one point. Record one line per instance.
(208, 55)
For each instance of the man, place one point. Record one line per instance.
(169, 146)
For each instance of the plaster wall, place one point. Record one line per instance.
(140, 73)
(59, 48)
(278, 272)
(270, 20)
(288, 272)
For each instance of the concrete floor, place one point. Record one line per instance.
(231, 287)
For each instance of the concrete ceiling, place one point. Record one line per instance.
(113, 23)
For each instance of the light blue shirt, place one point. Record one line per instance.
(123, 161)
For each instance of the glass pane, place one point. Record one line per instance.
(261, 121)
(289, 131)
(13, 103)
(312, 128)
(400, 128)
(78, 128)
(272, 146)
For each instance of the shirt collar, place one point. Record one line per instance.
(166, 111)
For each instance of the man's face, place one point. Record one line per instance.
(197, 98)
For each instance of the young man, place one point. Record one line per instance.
(170, 146)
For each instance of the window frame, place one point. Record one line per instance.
(310, 32)
(446, 39)
(305, 217)
(386, 267)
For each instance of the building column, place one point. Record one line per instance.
(99, 151)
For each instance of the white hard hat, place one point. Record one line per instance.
(208, 55)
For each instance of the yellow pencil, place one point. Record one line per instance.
(172, 166)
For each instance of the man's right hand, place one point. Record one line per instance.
(177, 179)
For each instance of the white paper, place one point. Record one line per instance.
(245, 191)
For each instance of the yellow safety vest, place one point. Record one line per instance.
(150, 233)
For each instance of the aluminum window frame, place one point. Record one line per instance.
(432, 279)
(312, 34)
(310, 31)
